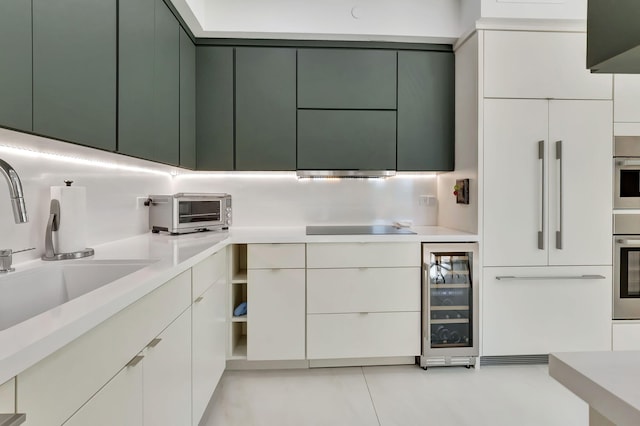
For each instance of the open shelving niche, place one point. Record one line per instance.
(237, 295)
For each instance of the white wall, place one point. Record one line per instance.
(280, 199)
(470, 12)
(112, 183)
(535, 9)
(418, 20)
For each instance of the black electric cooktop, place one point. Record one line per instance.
(358, 230)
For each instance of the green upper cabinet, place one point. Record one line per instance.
(214, 108)
(346, 140)
(265, 109)
(426, 111)
(187, 101)
(15, 64)
(347, 79)
(74, 71)
(149, 81)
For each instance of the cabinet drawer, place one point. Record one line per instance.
(540, 65)
(345, 140)
(539, 316)
(207, 272)
(362, 255)
(363, 290)
(267, 256)
(56, 387)
(346, 78)
(331, 336)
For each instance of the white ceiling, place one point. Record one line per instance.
(382, 20)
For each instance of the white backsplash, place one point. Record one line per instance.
(280, 199)
(115, 182)
(112, 183)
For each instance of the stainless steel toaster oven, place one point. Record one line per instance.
(189, 212)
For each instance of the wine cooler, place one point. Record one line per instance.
(449, 304)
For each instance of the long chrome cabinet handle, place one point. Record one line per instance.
(549, 277)
(629, 242)
(560, 204)
(543, 196)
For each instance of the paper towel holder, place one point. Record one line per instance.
(53, 224)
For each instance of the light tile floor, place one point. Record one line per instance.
(395, 396)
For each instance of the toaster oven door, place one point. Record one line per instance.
(199, 212)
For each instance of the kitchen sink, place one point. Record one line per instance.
(30, 292)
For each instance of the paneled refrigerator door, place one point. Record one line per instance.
(450, 308)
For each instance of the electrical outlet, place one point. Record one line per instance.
(427, 200)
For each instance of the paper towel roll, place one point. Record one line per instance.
(72, 231)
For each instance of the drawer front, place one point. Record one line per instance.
(56, 387)
(363, 290)
(626, 336)
(275, 256)
(208, 272)
(331, 336)
(362, 255)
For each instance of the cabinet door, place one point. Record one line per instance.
(209, 346)
(167, 375)
(275, 314)
(187, 101)
(626, 336)
(74, 71)
(515, 187)
(521, 64)
(149, 82)
(166, 102)
(119, 402)
(136, 33)
(16, 65)
(346, 79)
(346, 140)
(580, 182)
(548, 314)
(426, 87)
(214, 100)
(265, 109)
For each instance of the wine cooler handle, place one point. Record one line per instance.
(549, 277)
(543, 195)
(560, 213)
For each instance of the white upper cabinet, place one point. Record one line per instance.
(626, 98)
(540, 209)
(540, 65)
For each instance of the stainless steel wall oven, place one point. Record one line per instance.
(626, 265)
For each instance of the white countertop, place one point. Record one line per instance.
(607, 381)
(24, 344)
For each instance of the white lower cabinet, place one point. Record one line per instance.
(626, 336)
(167, 375)
(275, 314)
(119, 402)
(363, 335)
(209, 348)
(547, 309)
(8, 397)
(363, 300)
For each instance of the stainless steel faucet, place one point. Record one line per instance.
(15, 191)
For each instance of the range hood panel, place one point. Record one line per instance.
(613, 36)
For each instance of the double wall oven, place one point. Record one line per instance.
(626, 228)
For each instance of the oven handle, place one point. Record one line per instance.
(628, 242)
(550, 277)
(628, 163)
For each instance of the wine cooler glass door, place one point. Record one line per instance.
(450, 299)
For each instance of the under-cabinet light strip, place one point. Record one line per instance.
(27, 152)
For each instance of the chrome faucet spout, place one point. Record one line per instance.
(15, 192)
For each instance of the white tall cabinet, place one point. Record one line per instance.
(546, 130)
